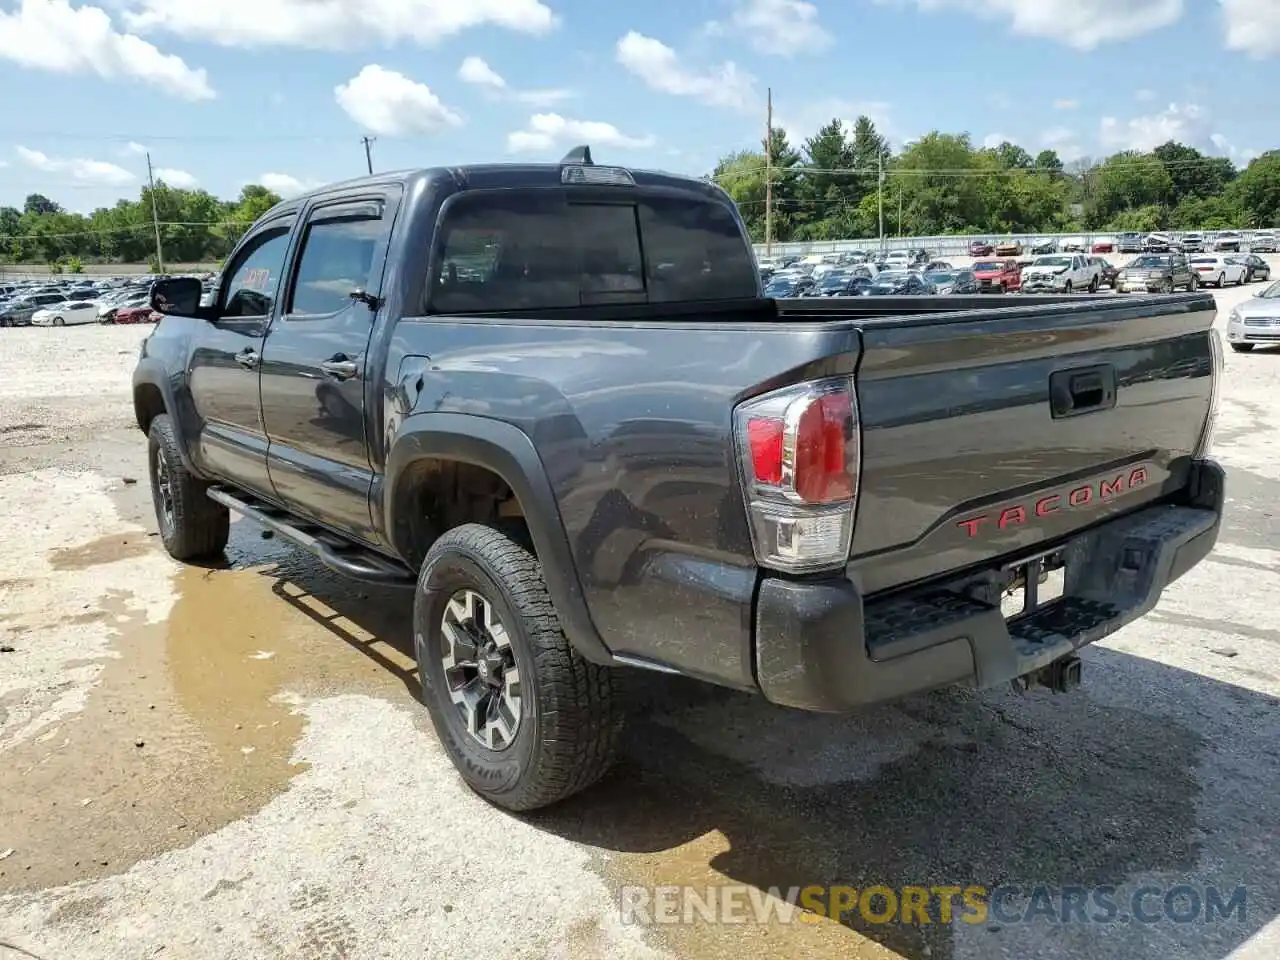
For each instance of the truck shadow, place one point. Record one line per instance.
(1150, 775)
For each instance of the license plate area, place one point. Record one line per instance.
(1031, 585)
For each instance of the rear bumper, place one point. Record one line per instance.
(819, 646)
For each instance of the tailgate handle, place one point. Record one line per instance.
(1083, 390)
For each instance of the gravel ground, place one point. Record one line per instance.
(230, 763)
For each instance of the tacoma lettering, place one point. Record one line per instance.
(1084, 495)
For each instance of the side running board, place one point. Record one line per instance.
(337, 554)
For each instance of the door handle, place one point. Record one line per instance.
(248, 359)
(340, 367)
(1073, 392)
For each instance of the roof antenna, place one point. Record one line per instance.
(581, 155)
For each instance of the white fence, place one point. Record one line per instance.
(949, 246)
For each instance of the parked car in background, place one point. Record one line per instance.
(19, 312)
(66, 314)
(997, 276)
(1192, 243)
(1044, 245)
(1103, 245)
(981, 248)
(1218, 271)
(136, 314)
(1228, 240)
(1072, 245)
(1107, 272)
(1157, 273)
(947, 282)
(897, 283)
(843, 284)
(934, 266)
(791, 285)
(1160, 243)
(1255, 268)
(1256, 321)
(1009, 248)
(1129, 242)
(1265, 242)
(1062, 273)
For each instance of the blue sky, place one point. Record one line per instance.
(225, 92)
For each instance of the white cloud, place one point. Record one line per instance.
(1066, 104)
(132, 147)
(477, 72)
(658, 66)
(1187, 123)
(179, 179)
(52, 35)
(1064, 142)
(547, 130)
(96, 172)
(1252, 26)
(333, 24)
(993, 140)
(286, 185)
(384, 101)
(778, 27)
(1082, 24)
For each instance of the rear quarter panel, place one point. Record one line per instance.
(632, 424)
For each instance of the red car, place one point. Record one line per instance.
(141, 314)
(1103, 245)
(981, 248)
(998, 276)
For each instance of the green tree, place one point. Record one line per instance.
(40, 205)
(1192, 173)
(1257, 190)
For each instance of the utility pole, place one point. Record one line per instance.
(880, 192)
(155, 216)
(768, 179)
(899, 208)
(368, 154)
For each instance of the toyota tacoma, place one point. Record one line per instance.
(553, 402)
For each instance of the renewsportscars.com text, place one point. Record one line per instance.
(938, 903)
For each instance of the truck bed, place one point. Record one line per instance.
(961, 444)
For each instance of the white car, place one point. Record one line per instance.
(1073, 245)
(66, 313)
(1062, 273)
(1218, 271)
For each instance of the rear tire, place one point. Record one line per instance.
(1222, 281)
(192, 527)
(562, 734)
(1093, 284)
(1193, 284)
(1242, 347)
(1067, 288)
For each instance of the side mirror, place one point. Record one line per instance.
(177, 295)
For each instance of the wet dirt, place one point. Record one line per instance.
(108, 549)
(191, 726)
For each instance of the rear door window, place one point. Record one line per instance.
(522, 249)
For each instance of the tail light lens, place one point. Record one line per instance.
(800, 453)
(1205, 447)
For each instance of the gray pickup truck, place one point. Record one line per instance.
(552, 400)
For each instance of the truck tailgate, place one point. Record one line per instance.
(988, 434)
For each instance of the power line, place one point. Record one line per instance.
(127, 229)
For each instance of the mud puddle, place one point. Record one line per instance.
(191, 726)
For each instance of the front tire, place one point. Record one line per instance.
(192, 527)
(1067, 288)
(525, 719)
(59, 322)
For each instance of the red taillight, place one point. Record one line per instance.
(764, 436)
(799, 449)
(821, 472)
